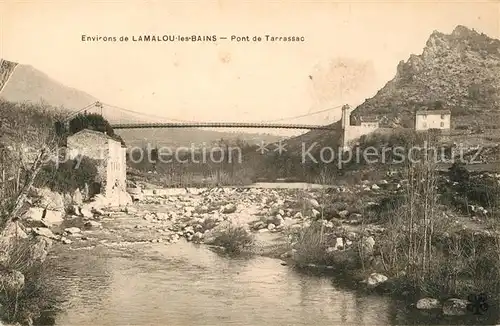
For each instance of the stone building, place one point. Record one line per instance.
(351, 133)
(109, 152)
(435, 119)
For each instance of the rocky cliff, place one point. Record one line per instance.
(458, 71)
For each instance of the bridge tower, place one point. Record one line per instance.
(99, 106)
(345, 121)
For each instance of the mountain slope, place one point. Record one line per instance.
(459, 71)
(27, 84)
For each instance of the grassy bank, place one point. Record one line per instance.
(437, 236)
(29, 149)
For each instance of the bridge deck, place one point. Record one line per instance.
(220, 125)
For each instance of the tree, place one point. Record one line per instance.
(91, 121)
(29, 144)
(95, 122)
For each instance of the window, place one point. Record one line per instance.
(424, 116)
(442, 124)
(442, 117)
(424, 125)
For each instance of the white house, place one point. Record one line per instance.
(433, 119)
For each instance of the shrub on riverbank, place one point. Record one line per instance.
(24, 300)
(234, 238)
(311, 245)
(465, 190)
(421, 248)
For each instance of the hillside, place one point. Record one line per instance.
(459, 71)
(316, 139)
(27, 84)
(24, 83)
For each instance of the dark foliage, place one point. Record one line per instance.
(68, 176)
(468, 189)
(458, 173)
(92, 121)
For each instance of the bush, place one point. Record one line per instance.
(311, 246)
(38, 293)
(234, 239)
(470, 189)
(68, 176)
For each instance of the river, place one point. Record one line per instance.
(183, 284)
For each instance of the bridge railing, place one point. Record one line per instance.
(220, 125)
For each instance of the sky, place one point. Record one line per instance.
(351, 50)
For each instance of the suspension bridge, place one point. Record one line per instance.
(137, 120)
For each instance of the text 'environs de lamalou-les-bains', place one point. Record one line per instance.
(192, 38)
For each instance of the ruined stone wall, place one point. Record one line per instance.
(352, 133)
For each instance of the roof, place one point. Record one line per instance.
(95, 132)
(433, 112)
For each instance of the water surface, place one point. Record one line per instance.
(184, 284)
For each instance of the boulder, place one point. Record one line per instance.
(48, 216)
(344, 213)
(339, 243)
(72, 230)
(13, 230)
(228, 209)
(86, 211)
(92, 224)
(314, 203)
(77, 197)
(367, 244)
(99, 201)
(455, 307)
(67, 199)
(98, 211)
(74, 210)
(197, 237)
(53, 217)
(49, 199)
(276, 220)
(374, 280)
(44, 232)
(40, 248)
(130, 210)
(259, 225)
(428, 303)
